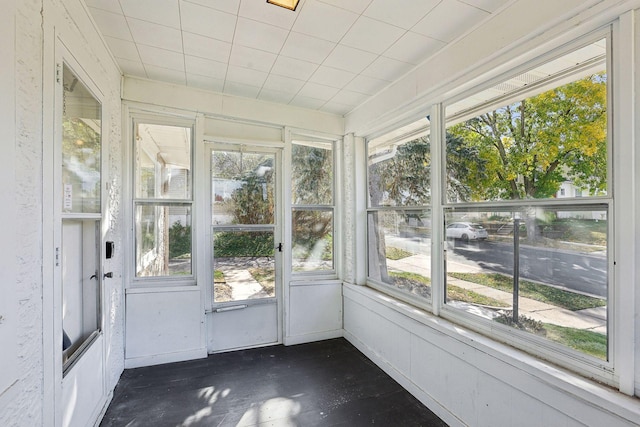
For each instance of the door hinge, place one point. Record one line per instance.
(57, 257)
(58, 73)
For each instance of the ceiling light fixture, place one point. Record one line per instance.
(287, 4)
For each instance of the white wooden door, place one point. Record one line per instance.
(244, 248)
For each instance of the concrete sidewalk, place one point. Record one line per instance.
(591, 319)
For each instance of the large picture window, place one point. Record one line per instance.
(533, 154)
(524, 209)
(163, 200)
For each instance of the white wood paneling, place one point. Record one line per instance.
(468, 379)
(315, 309)
(163, 326)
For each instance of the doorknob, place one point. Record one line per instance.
(108, 275)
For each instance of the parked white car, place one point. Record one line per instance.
(466, 231)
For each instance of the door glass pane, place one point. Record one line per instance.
(163, 162)
(244, 265)
(242, 187)
(163, 240)
(81, 144)
(80, 282)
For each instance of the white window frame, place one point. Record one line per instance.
(619, 369)
(134, 117)
(291, 135)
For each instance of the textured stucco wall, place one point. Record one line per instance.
(34, 23)
(26, 407)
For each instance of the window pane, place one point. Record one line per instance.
(540, 270)
(400, 173)
(163, 240)
(242, 186)
(163, 162)
(503, 144)
(399, 250)
(243, 265)
(81, 289)
(312, 173)
(312, 240)
(81, 145)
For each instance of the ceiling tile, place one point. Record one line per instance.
(349, 59)
(404, 16)
(307, 48)
(413, 48)
(371, 35)
(295, 68)
(324, 21)
(317, 91)
(205, 67)
(161, 58)
(306, 102)
(252, 58)
(111, 24)
(207, 22)
(132, 68)
(123, 49)
(349, 98)
(259, 36)
(204, 82)
(268, 13)
(163, 12)
(331, 77)
(387, 69)
(449, 20)
(487, 5)
(240, 89)
(275, 96)
(205, 47)
(357, 6)
(283, 84)
(246, 76)
(229, 6)
(165, 75)
(108, 5)
(155, 35)
(366, 85)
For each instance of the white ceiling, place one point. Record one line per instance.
(328, 55)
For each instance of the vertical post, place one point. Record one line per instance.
(516, 268)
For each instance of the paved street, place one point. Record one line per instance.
(578, 271)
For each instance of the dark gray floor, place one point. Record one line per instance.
(328, 383)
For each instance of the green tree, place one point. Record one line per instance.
(530, 147)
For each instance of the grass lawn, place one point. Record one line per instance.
(587, 342)
(266, 277)
(454, 292)
(547, 294)
(396, 253)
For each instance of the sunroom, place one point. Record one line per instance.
(449, 186)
